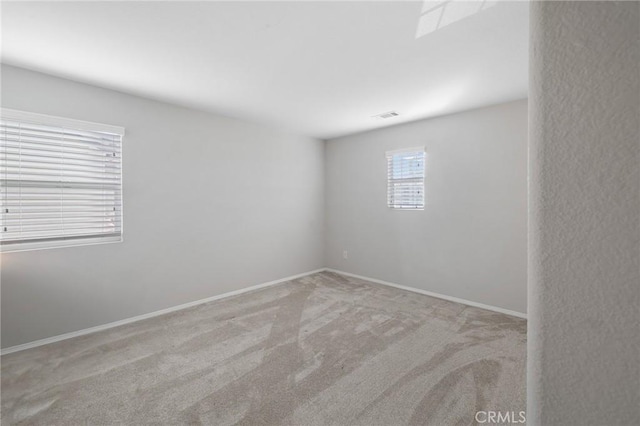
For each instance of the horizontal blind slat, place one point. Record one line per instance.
(17, 155)
(62, 151)
(72, 237)
(35, 125)
(43, 136)
(64, 143)
(74, 164)
(62, 168)
(58, 226)
(16, 217)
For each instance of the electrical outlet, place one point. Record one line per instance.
(345, 254)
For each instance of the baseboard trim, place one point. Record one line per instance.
(114, 324)
(432, 294)
(125, 321)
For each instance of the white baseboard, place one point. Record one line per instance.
(432, 294)
(107, 326)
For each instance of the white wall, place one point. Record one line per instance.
(211, 205)
(470, 241)
(584, 288)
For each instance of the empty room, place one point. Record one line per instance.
(320, 212)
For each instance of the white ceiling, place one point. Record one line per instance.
(318, 68)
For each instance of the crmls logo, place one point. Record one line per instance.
(508, 417)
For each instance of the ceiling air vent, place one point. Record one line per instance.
(389, 114)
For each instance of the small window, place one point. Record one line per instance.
(60, 182)
(405, 179)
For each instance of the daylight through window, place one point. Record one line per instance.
(405, 179)
(60, 182)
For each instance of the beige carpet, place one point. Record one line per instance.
(321, 350)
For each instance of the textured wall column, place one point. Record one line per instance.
(584, 230)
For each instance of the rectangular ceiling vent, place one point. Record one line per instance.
(389, 114)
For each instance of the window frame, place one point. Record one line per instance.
(421, 180)
(9, 114)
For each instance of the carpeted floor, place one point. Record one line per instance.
(321, 350)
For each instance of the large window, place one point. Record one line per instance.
(405, 179)
(60, 182)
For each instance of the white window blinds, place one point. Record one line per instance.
(405, 179)
(60, 181)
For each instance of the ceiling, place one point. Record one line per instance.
(322, 69)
